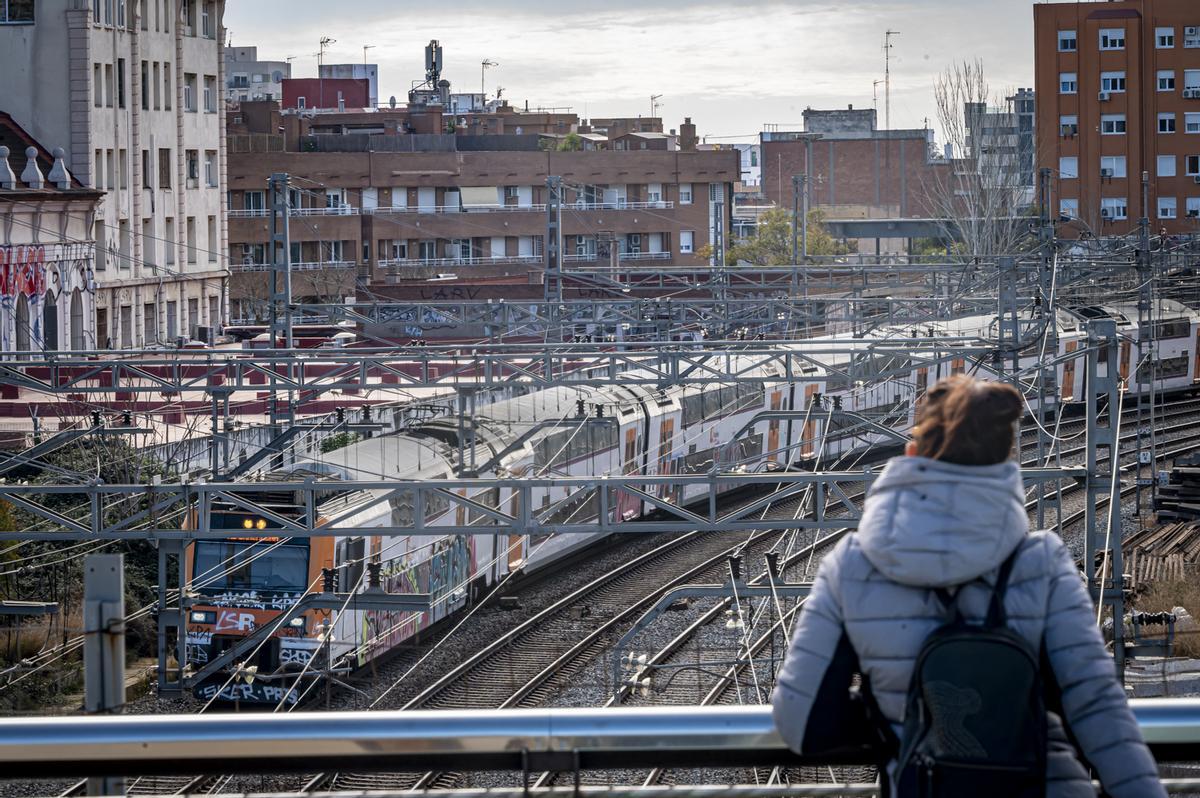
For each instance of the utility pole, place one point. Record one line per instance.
(325, 42)
(795, 219)
(104, 647)
(887, 77)
(484, 66)
(552, 278)
(282, 409)
(1047, 306)
(1147, 354)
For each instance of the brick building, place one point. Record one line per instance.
(326, 93)
(1118, 94)
(856, 170)
(390, 207)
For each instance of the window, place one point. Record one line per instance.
(301, 103)
(170, 244)
(144, 15)
(1068, 208)
(1193, 207)
(1068, 83)
(1112, 166)
(685, 193)
(122, 169)
(145, 86)
(98, 174)
(654, 192)
(255, 200)
(110, 167)
(168, 86)
(1164, 38)
(185, 17)
(1166, 165)
(428, 250)
(1112, 125)
(1112, 208)
(192, 160)
(189, 92)
(210, 168)
(191, 239)
(1068, 125)
(1067, 41)
(164, 168)
(157, 86)
(210, 94)
(1112, 38)
(1191, 79)
(1192, 163)
(212, 239)
(120, 82)
(147, 172)
(207, 28)
(1191, 122)
(1112, 81)
(1068, 168)
(97, 86)
(16, 12)
(1166, 80)
(687, 240)
(1167, 207)
(1166, 123)
(108, 85)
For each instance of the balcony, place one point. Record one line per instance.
(263, 213)
(418, 263)
(539, 208)
(296, 267)
(624, 256)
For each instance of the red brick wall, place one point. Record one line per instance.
(323, 92)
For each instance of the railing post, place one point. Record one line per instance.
(104, 647)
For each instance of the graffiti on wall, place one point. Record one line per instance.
(28, 272)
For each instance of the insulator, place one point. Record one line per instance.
(374, 570)
(341, 415)
(366, 413)
(329, 577)
(96, 420)
(127, 418)
(580, 408)
(735, 568)
(773, 564)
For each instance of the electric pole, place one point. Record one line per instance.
(887, 77)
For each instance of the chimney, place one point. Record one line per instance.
(59, 175)
(32, 176)
(687, 135)
(7, 179)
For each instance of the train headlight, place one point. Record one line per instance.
(262, 524)
(199, 616)
(247, 524)
(297, 622)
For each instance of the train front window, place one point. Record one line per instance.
(222, 565)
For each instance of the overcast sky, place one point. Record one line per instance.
(731, 66)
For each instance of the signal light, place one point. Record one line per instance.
(261, 524)
(247, 524)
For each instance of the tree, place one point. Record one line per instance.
(983, 192)
(771, 244)
(570, 143)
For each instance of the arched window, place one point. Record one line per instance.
(50, 323)
(22, 323)
(77, 341)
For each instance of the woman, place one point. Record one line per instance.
(947, 516)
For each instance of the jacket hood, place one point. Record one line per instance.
(927, 523)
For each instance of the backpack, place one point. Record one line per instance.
(975, 718)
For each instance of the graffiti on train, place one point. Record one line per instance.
(444, 575)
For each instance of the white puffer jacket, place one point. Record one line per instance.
(928, 524)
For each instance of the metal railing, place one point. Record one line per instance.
(304, 266)
(446, 209)
(263, 213)
(517, 740)
(416, 263)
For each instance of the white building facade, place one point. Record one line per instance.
(132, 89)
(249, 79)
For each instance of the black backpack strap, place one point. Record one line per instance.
(997, 617)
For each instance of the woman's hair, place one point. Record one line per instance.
(967, 421)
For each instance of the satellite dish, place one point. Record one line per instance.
(276, 76)
(392, 101)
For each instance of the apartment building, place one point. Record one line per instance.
(132, 91)
(249, 78)
(1118, 94)
(367, 72)
(47, 256)
(1003, 146)
(385, 209)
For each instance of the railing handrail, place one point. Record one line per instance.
(483, 260)
(537, 739)
(301, 266)
(262, 213)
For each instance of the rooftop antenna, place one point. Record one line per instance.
(433, 63)
(365, 48)
(887, 77)
(875, 94)
(654, 103)
(325, 42)
(486, 64)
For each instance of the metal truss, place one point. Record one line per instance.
(833, 491)
(316, 371)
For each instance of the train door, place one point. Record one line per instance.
(1196, 367)
(808, 445)
(922, 381)
(628, 506)
(666, 446)
(773, 427)
(1068, 381)
(1125, 347)
(516, 543)
(958, 365)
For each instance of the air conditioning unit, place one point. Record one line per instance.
(1106, 213)
(205, 334)
(1197, 179)
(1191, 94)
(1105, 97)
(1193, 213)
(1106, 173)
(1070, 130)
(1191, 31)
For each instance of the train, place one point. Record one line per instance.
(242, 582)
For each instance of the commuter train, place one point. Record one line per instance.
(239, 584)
